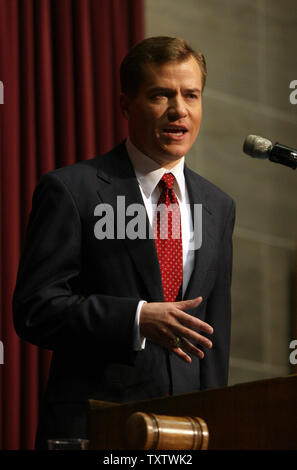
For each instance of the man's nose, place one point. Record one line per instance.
(177, 108)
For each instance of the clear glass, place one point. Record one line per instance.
(68, 444)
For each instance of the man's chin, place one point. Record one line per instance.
(174, 152)
(168, 158)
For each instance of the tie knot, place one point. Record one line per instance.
(168, 180)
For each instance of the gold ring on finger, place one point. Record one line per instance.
(177, 342)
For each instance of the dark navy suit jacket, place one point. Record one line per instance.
(77, 295)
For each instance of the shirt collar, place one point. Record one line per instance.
(148, 172)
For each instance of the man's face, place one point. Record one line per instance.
(164, 118)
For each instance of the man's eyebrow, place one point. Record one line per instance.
(159, 89)
(193, 90)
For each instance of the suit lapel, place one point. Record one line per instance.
(203, 255)
(117, 178)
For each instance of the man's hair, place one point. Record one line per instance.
(156, 50)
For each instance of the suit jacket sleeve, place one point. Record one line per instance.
(48, 310)
(215, 365)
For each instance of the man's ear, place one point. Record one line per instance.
(125, 105)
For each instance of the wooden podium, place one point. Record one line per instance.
(254, 415)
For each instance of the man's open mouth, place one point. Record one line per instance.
(176, 130)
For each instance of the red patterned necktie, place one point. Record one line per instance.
(168, 238)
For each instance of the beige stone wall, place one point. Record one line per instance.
(250, 48)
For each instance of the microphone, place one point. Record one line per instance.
(258, 147)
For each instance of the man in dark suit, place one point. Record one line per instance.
(130, 317)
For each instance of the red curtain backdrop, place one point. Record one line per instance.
(59, 64)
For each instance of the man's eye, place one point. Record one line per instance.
(161, 95)
(192, 96)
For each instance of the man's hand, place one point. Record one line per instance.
(162, 322)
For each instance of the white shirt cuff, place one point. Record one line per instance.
(138, 339)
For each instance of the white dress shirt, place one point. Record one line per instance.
(148, 174)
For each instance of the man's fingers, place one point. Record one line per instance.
(191, 348)
(189, 320)
(193, 322)
(187, 347)
(193, 336)
(178, 351)
(182, 355)
(188, 304)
